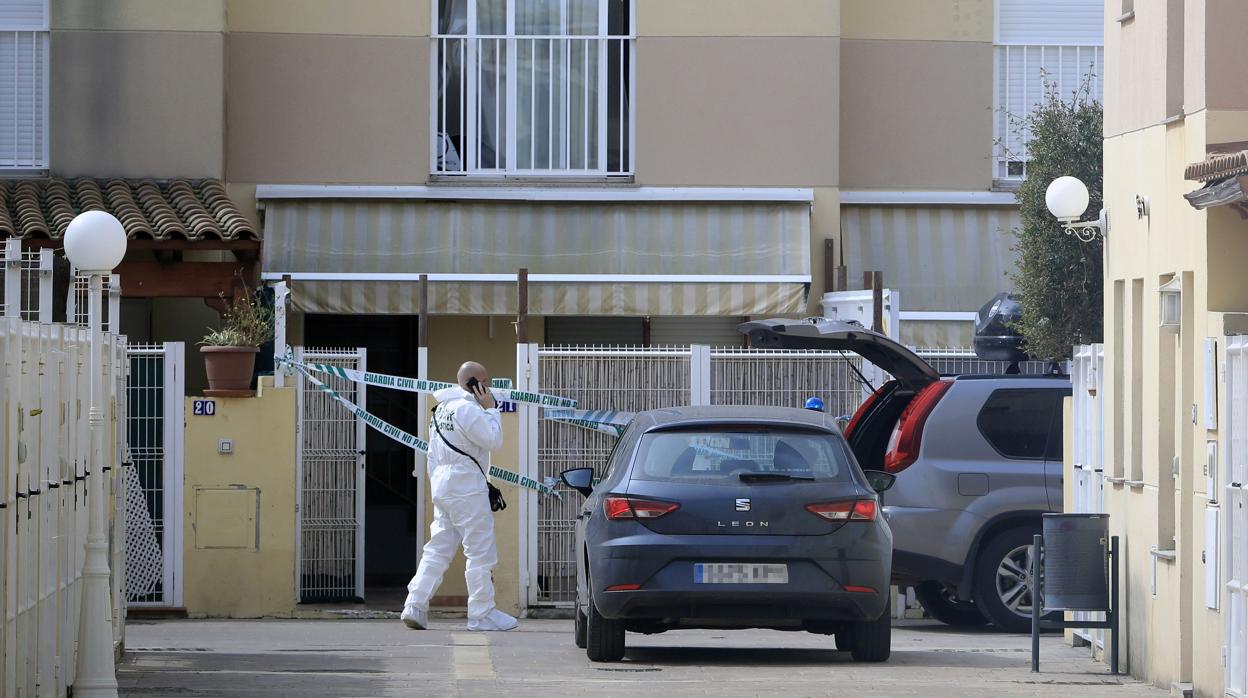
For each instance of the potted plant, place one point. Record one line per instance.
(230, 352)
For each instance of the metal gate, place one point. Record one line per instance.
(1087, 379)
(155, 427)
(1235, 518)
(638, 379)
(330, 481)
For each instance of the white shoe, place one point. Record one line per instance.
(494, 620)
(415, 618)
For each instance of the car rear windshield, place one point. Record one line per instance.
(720, 455)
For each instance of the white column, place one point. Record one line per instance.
(281, 294)
(96, 673)
(45, 286)
(528, 379)
(699, 375)
(13, 278)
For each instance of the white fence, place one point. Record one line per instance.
(330, 481)
(47, 471)
(1234, 516)
(155, 428)
(1087, 378)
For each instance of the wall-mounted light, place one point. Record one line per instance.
(1172, 304)
(1067, 199)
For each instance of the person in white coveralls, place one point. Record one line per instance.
(466, 426)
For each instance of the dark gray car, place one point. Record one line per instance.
(978, 462)
(732, 517)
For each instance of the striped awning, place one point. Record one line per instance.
(584, 258)
(939, 259)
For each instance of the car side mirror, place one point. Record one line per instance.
(579, 479)
(879, 480)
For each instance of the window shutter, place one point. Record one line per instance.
(711, 330)
(23, 99)
(1051, 22)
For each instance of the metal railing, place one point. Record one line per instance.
(47, 470)
(558, 101)
(330, 480)
(1022, 73)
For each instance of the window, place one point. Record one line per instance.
(1017, 423)
(719, 456)
(1040, 41)
(24, 85)
(533, 87)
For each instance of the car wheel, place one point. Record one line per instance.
(871, 641)
(604, 638)
(1003, 583)
(578, 627)
(942, 603)
(845, 639)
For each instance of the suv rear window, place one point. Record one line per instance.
(1017, 422)
(719, 455)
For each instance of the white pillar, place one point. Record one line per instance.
(281, 294)
(699, 375)
(96, 675)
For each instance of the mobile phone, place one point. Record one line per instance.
(473, 385)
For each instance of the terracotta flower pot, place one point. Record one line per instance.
(229, 369)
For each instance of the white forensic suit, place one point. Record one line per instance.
(461, 504)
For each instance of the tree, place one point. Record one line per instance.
(1058, 280)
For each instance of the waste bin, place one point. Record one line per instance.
(1076, 564)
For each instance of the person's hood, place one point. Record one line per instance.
(451, 393)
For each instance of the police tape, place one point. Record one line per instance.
(420, 385)
(415, 442)
(612, 429)
(619, 419)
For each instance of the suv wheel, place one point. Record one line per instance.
(871, 641)
(604, 638)
(942, 603)
(1003, 583)
(578, 627)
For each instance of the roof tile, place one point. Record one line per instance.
(179, 209)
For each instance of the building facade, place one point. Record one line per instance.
(1174, 303)
(661, 169)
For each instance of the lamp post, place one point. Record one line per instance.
(95, 243)
(1067, 199)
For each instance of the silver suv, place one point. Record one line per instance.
(978, 460)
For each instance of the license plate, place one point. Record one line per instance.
(739, 573)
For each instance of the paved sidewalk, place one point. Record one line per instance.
(382, 658)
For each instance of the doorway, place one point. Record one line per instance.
(392, 508)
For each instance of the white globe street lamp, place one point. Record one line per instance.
(1067, 199)
(95, 243)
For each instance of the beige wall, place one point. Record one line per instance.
(1171, 636)
(738, 18)
(1136, 53)
(737, 112)
(327, 109)
(158, 15)
(1225, 21)
(924, 20)
(892, 95)
(239, 552)
(137, 104)
(341, 17)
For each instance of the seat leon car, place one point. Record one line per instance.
(732, 517)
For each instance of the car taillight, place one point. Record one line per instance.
(864, 407)
(618, 508)
(903, 445)
(849, 510)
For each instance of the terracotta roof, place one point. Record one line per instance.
(178, 209)
(1218, 167)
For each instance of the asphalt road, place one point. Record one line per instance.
(337, 658)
